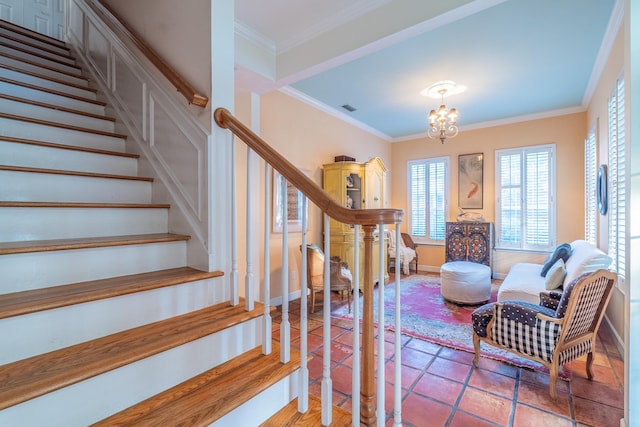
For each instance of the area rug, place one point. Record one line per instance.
(427, 316)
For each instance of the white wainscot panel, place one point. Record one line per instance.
(130, 91)
(181, 156)
(76, 17)
(99, 52)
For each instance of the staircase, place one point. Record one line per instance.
(101, 319)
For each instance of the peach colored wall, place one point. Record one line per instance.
(566, 132)
(597, 116)
(308, 138)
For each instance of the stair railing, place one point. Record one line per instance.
(111, 18)
(367, 409)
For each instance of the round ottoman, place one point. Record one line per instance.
(465, 282)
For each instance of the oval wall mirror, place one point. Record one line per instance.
(602, 189)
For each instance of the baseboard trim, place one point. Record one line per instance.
(292, 296)
(618, 339)
(428, 269)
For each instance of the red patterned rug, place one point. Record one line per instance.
(428, 316)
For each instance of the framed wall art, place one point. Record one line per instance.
(294, 205)
(470, 180)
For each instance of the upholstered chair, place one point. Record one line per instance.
(339, 277)
(409, 243)
(562, 328)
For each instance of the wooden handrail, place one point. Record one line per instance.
(112, 19)
(302, 182)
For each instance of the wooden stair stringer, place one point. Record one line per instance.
(211, 395)
(29, 378)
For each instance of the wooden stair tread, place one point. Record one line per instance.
(33, 34)
(67, 147)
(209, 396)
(32, 301)
(62, 125)
(67, 55)
(32, 377)
(40, 65)
(8, 248)
(51, 91)
(77, 205)
(64, 61)
(51, 79)
(57, 107)
(74, 173)
(290, 417)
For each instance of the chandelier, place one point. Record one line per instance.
(442, 122)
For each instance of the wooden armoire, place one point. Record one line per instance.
(357, 186)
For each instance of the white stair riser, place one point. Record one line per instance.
(42, 61)
(22, 224)
(35, 156)
(32, 41)
(52, 98)
(40, 70)
(43, 51)
(44, 187)
(260, 408)
(46, 133)
(9, 106)
(101, 396)
(58, 328)
(21, 272)
(49, 84)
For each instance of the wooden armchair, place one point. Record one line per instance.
(339, 279)
(408, 242)
(562, 328)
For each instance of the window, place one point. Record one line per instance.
(428, 204)
(617, 184)
(590, 171)
(525, 202)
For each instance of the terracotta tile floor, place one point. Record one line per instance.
(441, 388)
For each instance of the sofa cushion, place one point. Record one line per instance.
(523, 283)
(562, 252)
(555, 276)
(585, 258)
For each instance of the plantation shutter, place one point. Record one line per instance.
(617, 183)
(590, 192)
(418, 196)
(428, 187)
(525, 204)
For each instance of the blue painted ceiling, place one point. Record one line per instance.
(516, 57)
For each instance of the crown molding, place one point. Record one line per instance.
(255, 37)
(615, 22)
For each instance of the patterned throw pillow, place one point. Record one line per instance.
(563, 252)
(555, 275)
(566, 294)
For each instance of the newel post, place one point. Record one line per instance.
(367, 391)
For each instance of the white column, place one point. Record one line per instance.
(303, 393)
(380, 415)
(266, 285)
(355, 381)
(397, 380)
(326, 386)
(285, 327)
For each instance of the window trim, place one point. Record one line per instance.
(425, 239)
(522, 245)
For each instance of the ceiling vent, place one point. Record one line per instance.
(349, 108)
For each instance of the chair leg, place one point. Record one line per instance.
(349, 300)
(553, 377)
(313, 300)
(476, 347)
(589, 365)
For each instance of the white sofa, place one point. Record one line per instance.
(524, 282)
